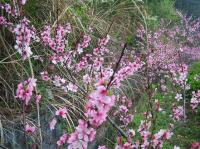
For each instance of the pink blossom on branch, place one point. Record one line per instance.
(178, 113)
(82, 136)
(71, 87)
(25, 90)
(45, 76)
(24, 34)
(62, 139)
(29, 129)
(38, 98)
(62, 112)
(99, 103)
(195, 100)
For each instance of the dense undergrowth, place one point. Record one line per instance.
(124, 74)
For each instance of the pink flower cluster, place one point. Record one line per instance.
(52, 124)
(23, 38)
(3, 21)
(82, 135)
(144, 133)
(25, 90)
(195, 100)
(127, 71)
(57, 44)
(84, 44)
(104, 41)
(83, 63)
(62, 139)
(8, 9)
(96, 59)
(178, 113)
(123, 111)
(45, 75)
(87, 78)
(195, 145)
(126, 145)
(29, 129)
(61, 82)
(100, 51)
(62, 112)
(58, 81)
(160, 137)
(98, 105)
(124, 117)
(71, 87)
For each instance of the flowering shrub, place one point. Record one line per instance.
(95, 73)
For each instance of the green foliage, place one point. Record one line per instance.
(160, 9)
(194, 71)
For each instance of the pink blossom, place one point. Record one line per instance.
(195, 100)
(45, 76)
(160, 137)
(178, 112)
(72, 87)
(2, 20)
(104, 41)
(29, 129)
(84, 44)
(195, 145)
(87, 78)
(38, 98)
(127, 71)
(24, 34)
(98, 106)
(123, 111)
(81, 136)
(58, 81)
(62, 112)
(126, 145)
(52, 124)
(62, 139)
(102, 147)
(25, 90)
(178, 97)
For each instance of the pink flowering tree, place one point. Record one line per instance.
(86, 77)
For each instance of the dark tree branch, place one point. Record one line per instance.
(117, 65)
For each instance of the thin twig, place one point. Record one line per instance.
(111, 79)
